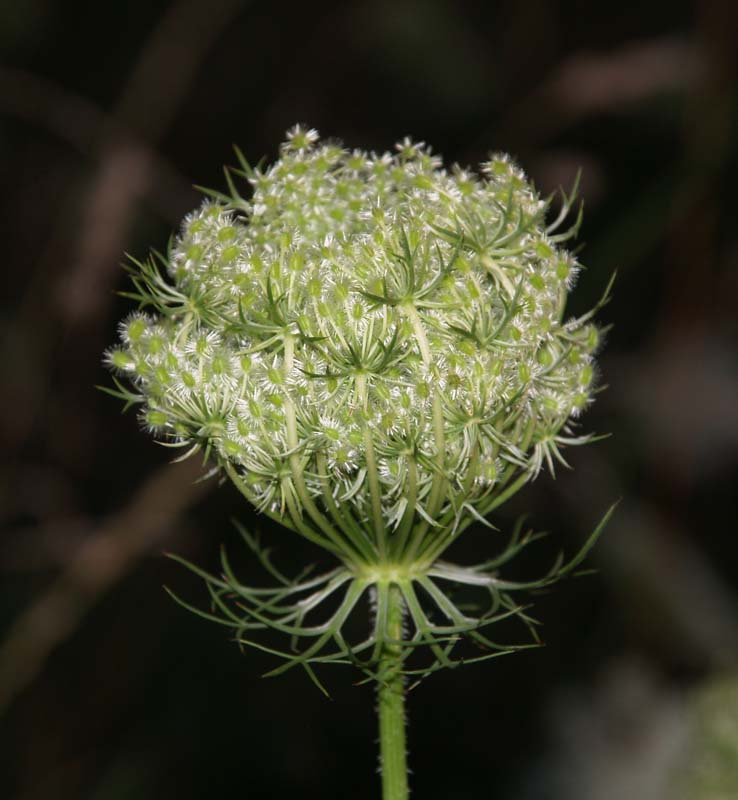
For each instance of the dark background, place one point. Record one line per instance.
(109, 112)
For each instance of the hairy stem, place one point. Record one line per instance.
(391, 701)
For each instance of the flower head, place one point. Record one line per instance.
(419, 309)
(374, 347)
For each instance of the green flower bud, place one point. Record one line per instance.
(156, 419)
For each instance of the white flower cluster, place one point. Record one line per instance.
(372, 337)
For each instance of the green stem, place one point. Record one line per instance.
(391, 695)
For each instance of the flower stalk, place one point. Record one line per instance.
(391, 702)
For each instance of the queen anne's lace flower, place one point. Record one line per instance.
(360, 302)
(374, 347)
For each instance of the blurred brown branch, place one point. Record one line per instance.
(96, 234)
(157, 85)
(150, 516)
(587, 83)
(82, 125)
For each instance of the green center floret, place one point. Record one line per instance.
(373, 346)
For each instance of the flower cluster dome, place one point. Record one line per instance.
(372, 338)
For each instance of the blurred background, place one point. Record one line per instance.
(109, 113)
